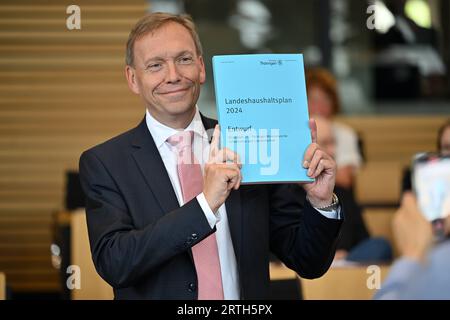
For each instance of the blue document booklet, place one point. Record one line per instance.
(263, 114)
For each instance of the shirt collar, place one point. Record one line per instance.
(161, 132)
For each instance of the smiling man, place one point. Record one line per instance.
(166, 72)
(167, 216)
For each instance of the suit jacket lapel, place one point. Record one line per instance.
(152, 168)
(235, 221)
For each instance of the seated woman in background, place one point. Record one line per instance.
(323, 100)
(355, 243)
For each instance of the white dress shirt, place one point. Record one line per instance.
(227, 257)
(347, 150)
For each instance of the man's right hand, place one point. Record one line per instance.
(222, 173)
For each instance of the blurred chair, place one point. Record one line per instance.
(378, 183)
(283, 283)
(93, 287)
(2, 286)
(379, 224)
(342, 283)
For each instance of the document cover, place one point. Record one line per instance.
(263, 114)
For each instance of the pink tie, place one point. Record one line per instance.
(206, 254)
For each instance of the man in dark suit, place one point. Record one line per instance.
(169, 219)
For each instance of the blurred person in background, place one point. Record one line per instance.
(323, 100)
(444, 138)
(443, 148)
(355, 243)
(422, 271)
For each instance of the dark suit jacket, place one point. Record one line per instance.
(141, 238)
(353, 230)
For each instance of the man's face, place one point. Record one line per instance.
(167, 72)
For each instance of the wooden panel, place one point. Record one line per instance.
(93, 287)
(396, 138)
(278, 271)
(379, 183)
(61, 92)
(389, 144)
(343, 283)
(339, 283)
(2, 286)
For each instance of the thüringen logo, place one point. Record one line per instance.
(271, 62)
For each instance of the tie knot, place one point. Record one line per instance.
(181, 139)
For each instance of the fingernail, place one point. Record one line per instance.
(309, 172)
(305, 164)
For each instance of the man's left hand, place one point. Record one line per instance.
(322, 168)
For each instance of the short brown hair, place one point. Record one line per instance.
(441, 133)
(322, 78)
(152, 22)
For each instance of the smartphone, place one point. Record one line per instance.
(431, 183)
